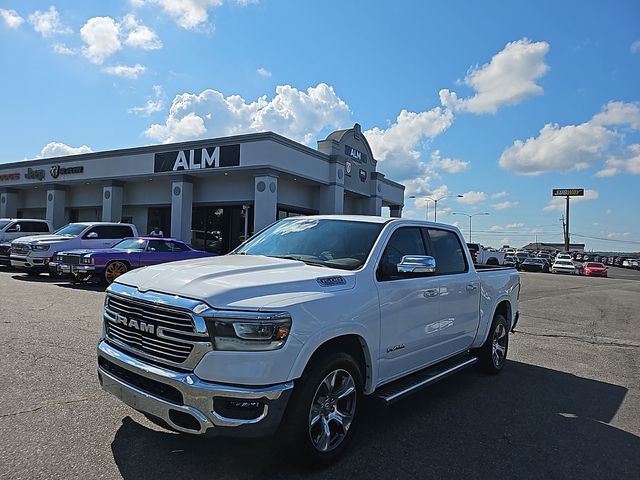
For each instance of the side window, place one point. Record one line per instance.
(178, 247)
(121, 231)
(447, 251)
(38, 227)
(16, 227)
(97, 233)
(404, 241)
(109, 232)
(159, 246)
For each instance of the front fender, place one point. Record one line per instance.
(369, 349)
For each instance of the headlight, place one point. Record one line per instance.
(42, 248)
(87, 260)
(58, 258)
(245, 331)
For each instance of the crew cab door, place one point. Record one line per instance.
(409, 307)
(105, 236)
(459, 292)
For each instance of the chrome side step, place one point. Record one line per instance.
(400, 388)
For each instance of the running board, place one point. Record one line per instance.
(400, 388)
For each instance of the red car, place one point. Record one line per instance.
(594, 269)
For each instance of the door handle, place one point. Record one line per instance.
(432, 292)
(471, 287)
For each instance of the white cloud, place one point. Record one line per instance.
(11, 18)
(511, 226)
(572, 147)
(127, 71)
(608, 211)
(48, 23)
(618, 114)
(628, 162)
(59, 149)
(62, 49)
(471, 197)
(244, 3)
(102, 38)
(294, 113)
(499, 195)
(399, 146)
(558, 203)
(189, 14)
(508, 79)
(635, 46)
(153, 104)
(138, 35)
(263, 72)
(504, 205)
(449, 165)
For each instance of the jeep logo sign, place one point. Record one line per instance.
(197, 159)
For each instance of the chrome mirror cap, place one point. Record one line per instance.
(417, 264)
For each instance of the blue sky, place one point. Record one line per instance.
(499, 101)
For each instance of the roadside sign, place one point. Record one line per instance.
(571, 192)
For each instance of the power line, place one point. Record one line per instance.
(633, 242)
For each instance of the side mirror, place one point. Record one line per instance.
(92, 235)
(417, 264)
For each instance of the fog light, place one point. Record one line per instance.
(238, 408)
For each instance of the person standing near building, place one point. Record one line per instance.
(156, 232)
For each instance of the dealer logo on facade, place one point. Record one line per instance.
(57, 170)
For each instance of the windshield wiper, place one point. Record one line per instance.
(298, 259)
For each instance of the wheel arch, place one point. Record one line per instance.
(352, 343)
(504, 307)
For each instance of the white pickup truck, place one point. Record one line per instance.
(297, 324)
(33, 254)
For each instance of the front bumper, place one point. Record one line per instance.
(188, 404)
(40, 264)
(67, 268)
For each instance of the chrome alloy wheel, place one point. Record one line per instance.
(499, 345)
(332, 410)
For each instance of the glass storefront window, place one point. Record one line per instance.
(220, 229)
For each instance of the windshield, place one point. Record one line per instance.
(71, 230)
(595, 265)
(331, 243)
(131, 244)
(4, 223)
(564, 262)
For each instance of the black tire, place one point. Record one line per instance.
(55, 275)
(298, 428)
(499, 332)
(493, 261)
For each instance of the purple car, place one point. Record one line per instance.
(108, 264)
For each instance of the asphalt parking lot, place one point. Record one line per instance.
(566, 406)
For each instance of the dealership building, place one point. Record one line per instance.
(211, 193)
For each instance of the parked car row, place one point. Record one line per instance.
(87, 251)
(613, 260)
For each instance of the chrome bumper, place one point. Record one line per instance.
(198, 397)
(29, 263)
(67, 268)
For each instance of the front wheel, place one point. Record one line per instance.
(114, 270)
(493, 354)
(322, 414)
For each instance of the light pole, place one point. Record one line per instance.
(470, 217)
(435, 203)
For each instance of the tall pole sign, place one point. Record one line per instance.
(567, 192)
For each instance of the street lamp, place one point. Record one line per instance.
(470, 217)
(435, 203)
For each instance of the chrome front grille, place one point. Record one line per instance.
(20, 248)
(164, 333)
(71, 259)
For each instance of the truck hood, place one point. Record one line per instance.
(240, 281)
(38, 239)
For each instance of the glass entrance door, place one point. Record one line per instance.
(159, 217)
(220, 229)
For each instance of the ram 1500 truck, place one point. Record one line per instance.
(33, 254)
(300, 322)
